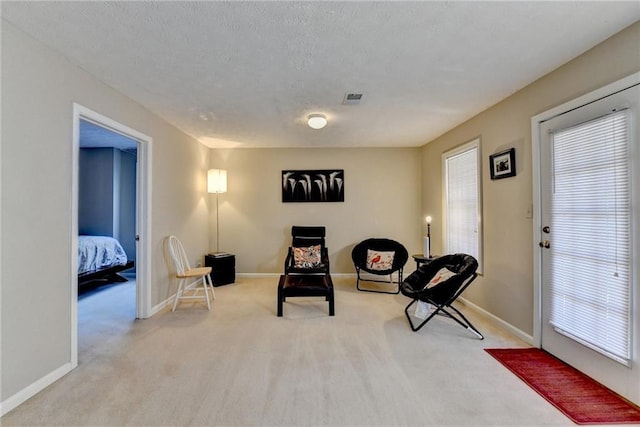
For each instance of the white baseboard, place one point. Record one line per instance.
(344, 276)
(169, 301)
(276, 275)
(156, 308)
(498, 321)
(33, 389)
(258, 275)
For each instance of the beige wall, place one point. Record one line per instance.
(382, 199)
(38, 91)
(506, 288)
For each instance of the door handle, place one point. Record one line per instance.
(546, 229)
(545, 244)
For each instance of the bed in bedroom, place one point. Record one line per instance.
(100, 259)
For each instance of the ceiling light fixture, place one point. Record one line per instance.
(317, 121)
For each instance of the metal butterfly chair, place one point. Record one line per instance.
(439, 283)
(367, 256)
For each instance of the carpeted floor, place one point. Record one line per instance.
(240, 365)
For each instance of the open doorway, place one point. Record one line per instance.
(106, 235)
(110, 212)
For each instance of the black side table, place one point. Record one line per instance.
(422, 259)
(223, 268)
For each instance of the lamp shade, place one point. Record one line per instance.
(217, 181)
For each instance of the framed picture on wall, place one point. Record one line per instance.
(325, 185)
(503, 164)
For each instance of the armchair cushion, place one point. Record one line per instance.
(308, 253)
(307, 257)
(441, 276)
(380, 260)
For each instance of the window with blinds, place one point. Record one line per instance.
(462, 201)
(590, 276)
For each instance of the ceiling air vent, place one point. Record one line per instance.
(352, 98)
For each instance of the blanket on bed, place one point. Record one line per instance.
(97, 252)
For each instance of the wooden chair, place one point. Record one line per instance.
(189, 278)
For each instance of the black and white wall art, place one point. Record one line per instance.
(503, 164)
(313, 185)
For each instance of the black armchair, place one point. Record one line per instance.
(308, 253)
(379, 257)
(439, 283)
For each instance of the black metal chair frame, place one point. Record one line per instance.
(359, 257)
(305, 236)
(438, 295)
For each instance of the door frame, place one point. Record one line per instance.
(583, 100)
(143, 218)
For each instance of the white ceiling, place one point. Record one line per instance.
(246, 74)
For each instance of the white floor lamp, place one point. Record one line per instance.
(217, 184)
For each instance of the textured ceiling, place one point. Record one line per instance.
(246, 74)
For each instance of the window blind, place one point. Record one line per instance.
(462, 202)
(590, 276)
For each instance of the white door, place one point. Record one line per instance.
(589, 222)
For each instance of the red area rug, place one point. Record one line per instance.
(579, 397)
